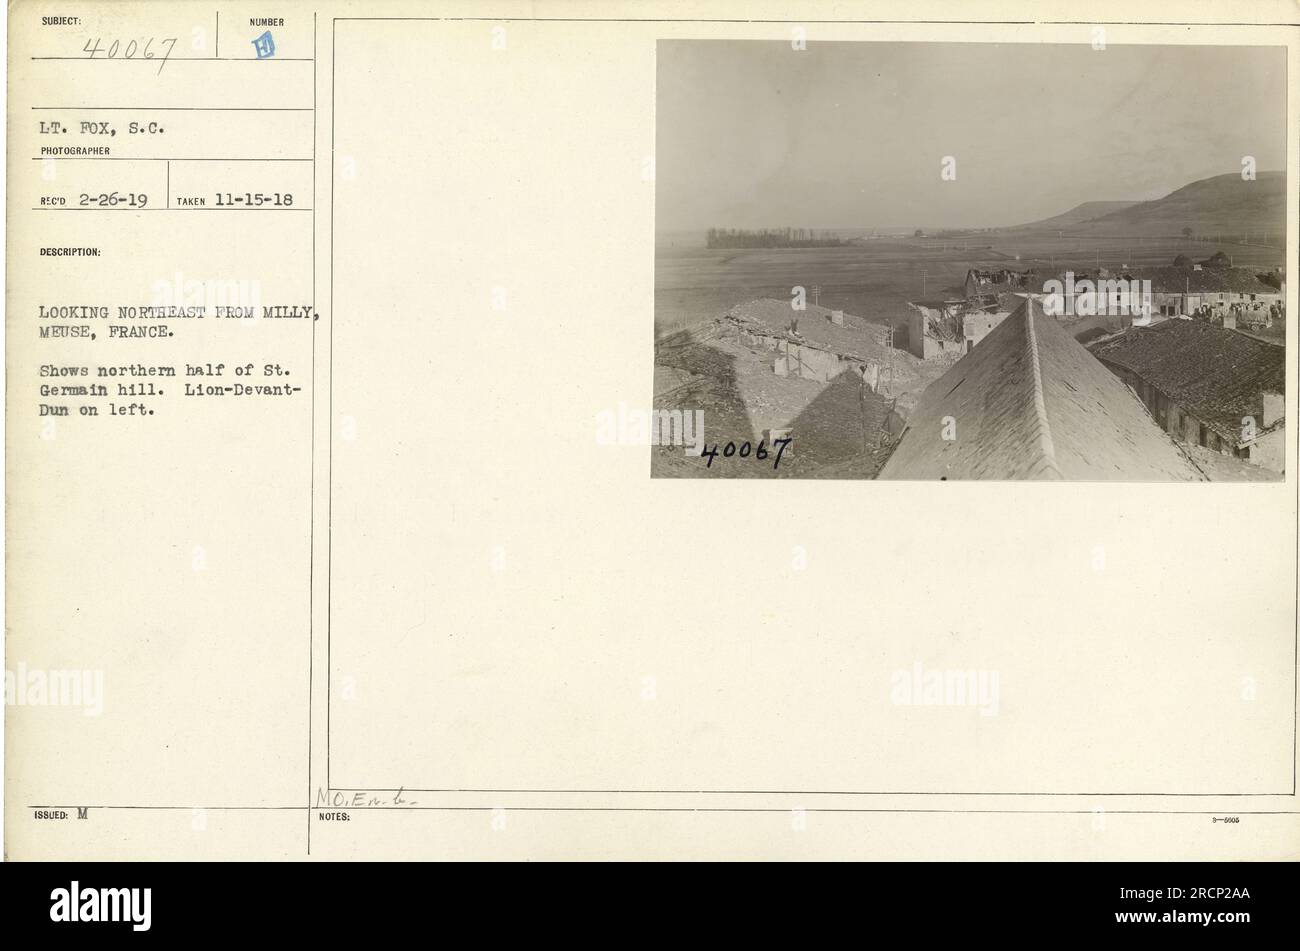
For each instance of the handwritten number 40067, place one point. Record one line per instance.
(743, 451)
(132, 49)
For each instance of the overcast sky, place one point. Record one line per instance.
(755, 134)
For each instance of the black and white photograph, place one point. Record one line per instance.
(931, 261)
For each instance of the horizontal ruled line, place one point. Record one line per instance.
(758, 809)
(783, 792)
(748, 21)
(179, 59)
(178, 108)
(128, 158)
(48, 208)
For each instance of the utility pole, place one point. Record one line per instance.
(889, 342)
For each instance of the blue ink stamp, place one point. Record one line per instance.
(264, 45)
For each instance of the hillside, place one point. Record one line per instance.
(1224, 204)
(1075, 216)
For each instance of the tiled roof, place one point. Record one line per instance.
(1177, 280)
(857, 337)
(1170, 279)
(1029, 402)
(1217, 375)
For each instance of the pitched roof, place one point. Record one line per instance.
(1029, 402)
(857, 337)
(1166, 279)
(1177, 280)
(1217, 375)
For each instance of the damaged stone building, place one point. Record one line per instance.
(940, 329)
(816, 343)
(982, 283)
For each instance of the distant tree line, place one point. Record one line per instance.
(771, 238)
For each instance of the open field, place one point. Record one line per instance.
(876, 278)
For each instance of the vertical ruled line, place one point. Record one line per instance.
(311, 507)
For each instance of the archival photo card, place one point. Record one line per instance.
(931, 261)
(329, 405)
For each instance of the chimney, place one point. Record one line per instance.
(1274, 408)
